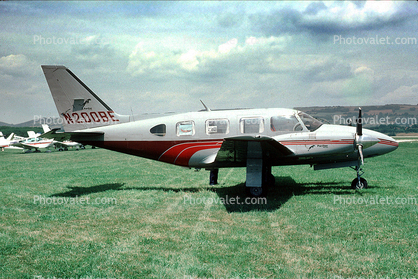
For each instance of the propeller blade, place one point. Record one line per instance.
(360, 152)
(359, 123)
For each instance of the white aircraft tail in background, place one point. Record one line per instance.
(63, 145)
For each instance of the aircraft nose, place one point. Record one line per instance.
(386, 143)
(382, 143)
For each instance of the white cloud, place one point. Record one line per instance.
(16, 65)
(188, 60)
(219, 51)
(348, 13)
(402, 95)
(143, 59)
(228, 46)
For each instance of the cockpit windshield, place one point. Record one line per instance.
(311, 123)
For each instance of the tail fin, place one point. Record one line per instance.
(10, 137)
(32, 134)
(78, 106)
(46, 128)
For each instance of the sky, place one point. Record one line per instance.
(157, 57)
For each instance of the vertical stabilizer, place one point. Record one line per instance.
(78, 106)
(10, 137)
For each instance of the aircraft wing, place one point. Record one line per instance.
(66, 144)
(234, 149)
(74, 136)
(22, 145)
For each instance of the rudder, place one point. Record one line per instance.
(78, 106)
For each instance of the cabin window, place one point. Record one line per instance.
(185, 128)
(285, 123)
(217, 126)
(250, 125)
(159, 130)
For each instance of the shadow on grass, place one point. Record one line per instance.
(80, 191)
(236, 199)
(284, 189)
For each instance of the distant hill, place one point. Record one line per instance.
(404, 115)
(19, 131)
(53, 122)
(22, 128)
(388, 119)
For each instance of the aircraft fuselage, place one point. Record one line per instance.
(190, 141)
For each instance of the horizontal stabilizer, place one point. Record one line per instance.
(74, 136)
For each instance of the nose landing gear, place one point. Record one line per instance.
(359, 182)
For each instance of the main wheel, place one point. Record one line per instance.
(356, 184)
(256, 191)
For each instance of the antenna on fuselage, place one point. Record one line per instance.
(132, 113)
(206, 108)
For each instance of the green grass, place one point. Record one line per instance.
(145, 229)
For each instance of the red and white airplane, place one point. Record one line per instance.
(256, 139)
(5, 142)
(33, 142)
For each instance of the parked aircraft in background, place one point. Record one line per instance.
(33, 142)
(5, 142)
(32, 134)
(63, 145)
(256, 139)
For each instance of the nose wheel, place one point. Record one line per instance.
(359, 182)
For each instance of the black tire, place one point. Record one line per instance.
(255, 191)
(357, 186)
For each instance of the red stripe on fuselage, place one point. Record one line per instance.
(37, 143)
(173, 152)
(185, 155)
(388, 142)
(310, 142)
(180, 154)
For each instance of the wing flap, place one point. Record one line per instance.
(234, 149)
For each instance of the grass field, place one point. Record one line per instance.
(101, 214)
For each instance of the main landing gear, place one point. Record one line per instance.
(255, 186)
(259, 176)
(213, 177)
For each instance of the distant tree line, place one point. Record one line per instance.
(19, 131)
(392, 130)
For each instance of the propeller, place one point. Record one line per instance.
(362, 141)
(359, 121)
(359, 135)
